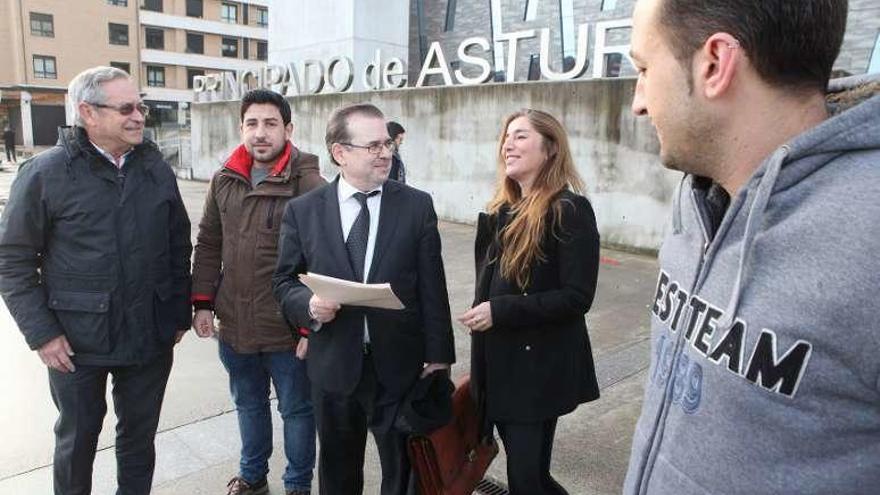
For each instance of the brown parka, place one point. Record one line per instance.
(237, 247)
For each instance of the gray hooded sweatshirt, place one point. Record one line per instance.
(765, 366)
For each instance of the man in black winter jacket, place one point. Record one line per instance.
(94, 268)
(9, 144)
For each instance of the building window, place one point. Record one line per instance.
(534, 67)
(118, 34)
(195, 8)
(262, 50)
(450, 15)
(613, 64)
(229, 48)
(262, 17)
(192, 73)
(609, 5)
(874, 64)
(229, 13)
(118, 3)
(195, 43)
(155, 76)
(42, 25)
(154, 5)
(44, 67)
(122, 66)
(245, 49)
(155, 38)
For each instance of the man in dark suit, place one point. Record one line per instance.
(9, 144)
(362, 361)
(397, 133)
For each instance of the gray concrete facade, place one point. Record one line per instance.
(474, 18)
(428, 22)
(861, 39)
(452, 137)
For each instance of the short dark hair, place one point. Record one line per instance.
(337, 126)
(260, 96)
(394, 129)
(790, 43)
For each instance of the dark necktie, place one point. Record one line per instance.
(356, 244)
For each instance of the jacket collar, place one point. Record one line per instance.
(241, 162)
(75, 141)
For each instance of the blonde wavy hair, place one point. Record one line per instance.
(521, 237)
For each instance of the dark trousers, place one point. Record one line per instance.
(343, 421)
(10, 153)
(529, 447)
(80, 398)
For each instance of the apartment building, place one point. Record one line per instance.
(182, 39)
(47, 42)
(162, 43)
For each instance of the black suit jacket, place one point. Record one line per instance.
(535, 363)
(407, 255)
(397, 171)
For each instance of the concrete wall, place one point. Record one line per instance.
(452, 136)
(862, 30)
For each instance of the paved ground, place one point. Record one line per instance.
(198, 440)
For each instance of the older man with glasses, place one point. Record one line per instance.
(94, 267)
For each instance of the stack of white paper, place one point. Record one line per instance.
(351, 293)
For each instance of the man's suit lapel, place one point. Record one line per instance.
(332, 224)
(389, 213)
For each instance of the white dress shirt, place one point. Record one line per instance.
(349, 208)
(120, 162)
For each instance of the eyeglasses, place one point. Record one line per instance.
(126, 109)
(374, 148)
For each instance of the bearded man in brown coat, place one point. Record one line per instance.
(235, 257)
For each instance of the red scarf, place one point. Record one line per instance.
(241, 161)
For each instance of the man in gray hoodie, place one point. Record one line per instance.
(765, 376)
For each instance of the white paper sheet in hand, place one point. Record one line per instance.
(351, 293)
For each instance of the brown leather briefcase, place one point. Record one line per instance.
(452, 460)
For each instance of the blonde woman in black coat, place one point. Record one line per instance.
(537, 254)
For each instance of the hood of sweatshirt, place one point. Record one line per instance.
(764, 374)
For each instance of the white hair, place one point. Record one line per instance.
(86, 86)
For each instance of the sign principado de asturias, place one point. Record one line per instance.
(336, 75)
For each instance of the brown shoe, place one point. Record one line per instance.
(238, 486)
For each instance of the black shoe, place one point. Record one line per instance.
(238, 486)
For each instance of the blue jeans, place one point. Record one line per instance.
(249, 377)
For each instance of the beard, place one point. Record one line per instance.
(692, 148)
(266, 155)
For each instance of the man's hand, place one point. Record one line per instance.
(321, 310)
(478, 318)
(302, 348)
(56, 354)
(179, 336)
(203, 323)
(432, 367)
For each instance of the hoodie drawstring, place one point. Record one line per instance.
(676, 206)
(754, 222)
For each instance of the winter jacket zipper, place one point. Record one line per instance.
(271, 214)
(666, 404)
